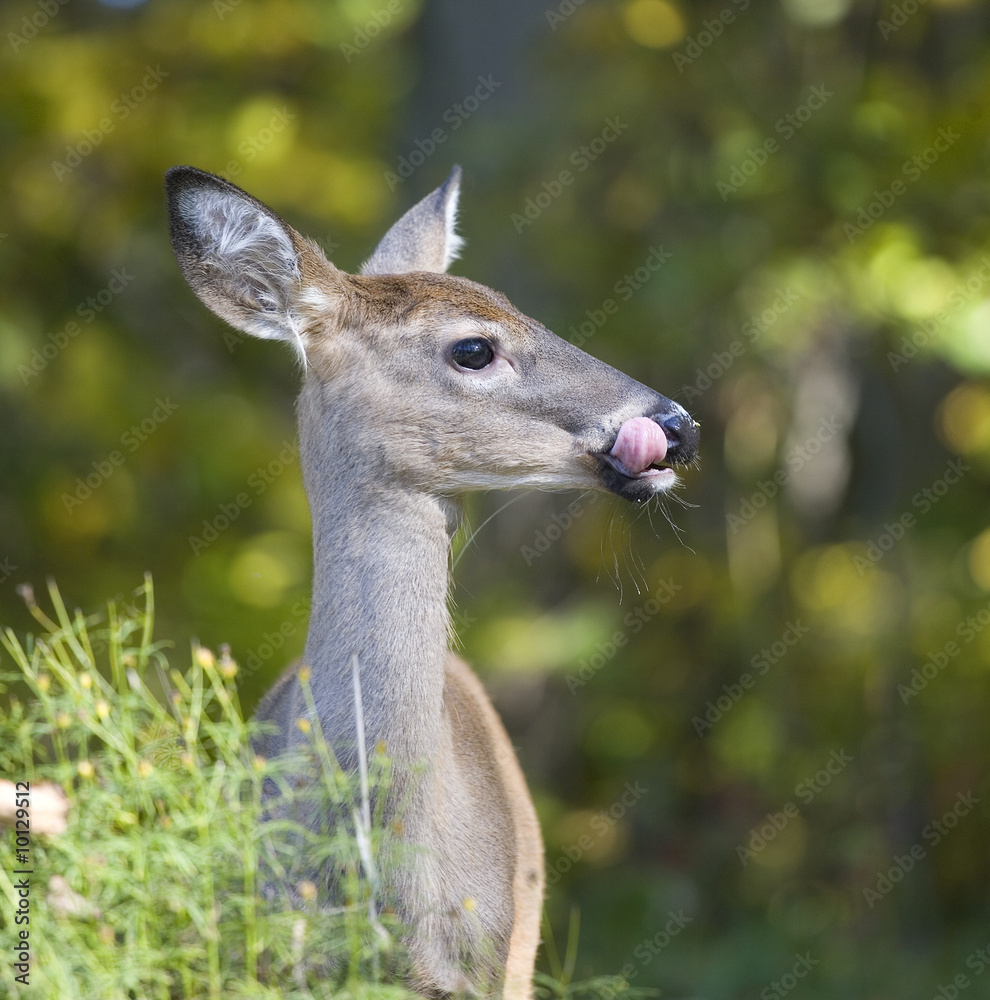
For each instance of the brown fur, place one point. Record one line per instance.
(464, 689)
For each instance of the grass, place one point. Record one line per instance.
(156, 891)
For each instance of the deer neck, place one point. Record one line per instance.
(380, 586)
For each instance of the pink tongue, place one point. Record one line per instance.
(639, 444)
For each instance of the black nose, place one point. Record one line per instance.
(682, 433)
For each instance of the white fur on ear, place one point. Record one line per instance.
(237, 255)
(425, 238)
(453, 244)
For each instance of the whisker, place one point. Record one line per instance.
(474, 534)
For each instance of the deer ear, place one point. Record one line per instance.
(238, 256)
(424, 238)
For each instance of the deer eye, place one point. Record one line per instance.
(473, 354)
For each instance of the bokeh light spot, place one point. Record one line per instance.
(979, 559)
(654, 24)
(747, 739)
(817, 13)
(964, 418)
(595, 837)
(265, 568)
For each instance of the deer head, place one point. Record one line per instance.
(416, 376)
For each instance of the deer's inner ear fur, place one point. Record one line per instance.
(238, 256)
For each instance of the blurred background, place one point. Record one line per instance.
(755, 721)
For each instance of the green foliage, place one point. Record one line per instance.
(156, 889)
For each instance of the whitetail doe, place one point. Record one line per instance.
(419, 388)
